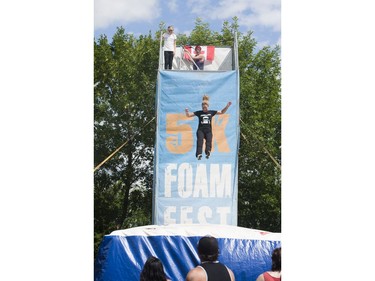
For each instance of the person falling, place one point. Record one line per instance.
(204, 131)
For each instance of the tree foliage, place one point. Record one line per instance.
(125, 72)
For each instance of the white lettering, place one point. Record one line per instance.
(220, 184)
(215, 182)
(201, 185)
(203, 213)
(185, 190)
(168, 215)
(185, 210)
(169, 178)
(194, 214)
(223, 212)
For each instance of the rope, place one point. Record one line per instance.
(121, 146)
(264, 148)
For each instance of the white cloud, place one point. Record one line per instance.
(108, 12)
(266, 13)
(172, 5)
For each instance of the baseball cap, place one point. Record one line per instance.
(208, 245)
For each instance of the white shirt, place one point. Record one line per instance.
(169, 40)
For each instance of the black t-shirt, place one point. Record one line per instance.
(205, 118)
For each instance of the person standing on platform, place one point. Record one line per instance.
(275, 273)
(204, 131)
(169, 47)
(210, 268)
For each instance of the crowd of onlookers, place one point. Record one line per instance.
(210, 269)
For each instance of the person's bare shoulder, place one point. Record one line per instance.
(231, 274)
(196, 274)
(260, 277)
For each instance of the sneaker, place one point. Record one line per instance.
(199, 156)
(208, 154)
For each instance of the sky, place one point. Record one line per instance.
(263, 17)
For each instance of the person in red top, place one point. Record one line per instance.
(275, 273)
(198, 59)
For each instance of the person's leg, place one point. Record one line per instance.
(166, 59)
(171, 60)
(200, 137)
(208, 143)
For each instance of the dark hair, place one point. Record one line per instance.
(198, 48)
(208, 248)
(153, 270)
(276, 259)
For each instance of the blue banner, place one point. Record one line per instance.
(188, 190)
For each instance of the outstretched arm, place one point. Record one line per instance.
(188, 114)
(224, 109)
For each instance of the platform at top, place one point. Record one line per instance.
(223, 59)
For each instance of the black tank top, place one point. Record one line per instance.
(216, 271)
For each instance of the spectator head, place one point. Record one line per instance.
(153, 270)
(276, 259)
(208, 248)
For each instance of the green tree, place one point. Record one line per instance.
(259, 176)
(124, 97)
